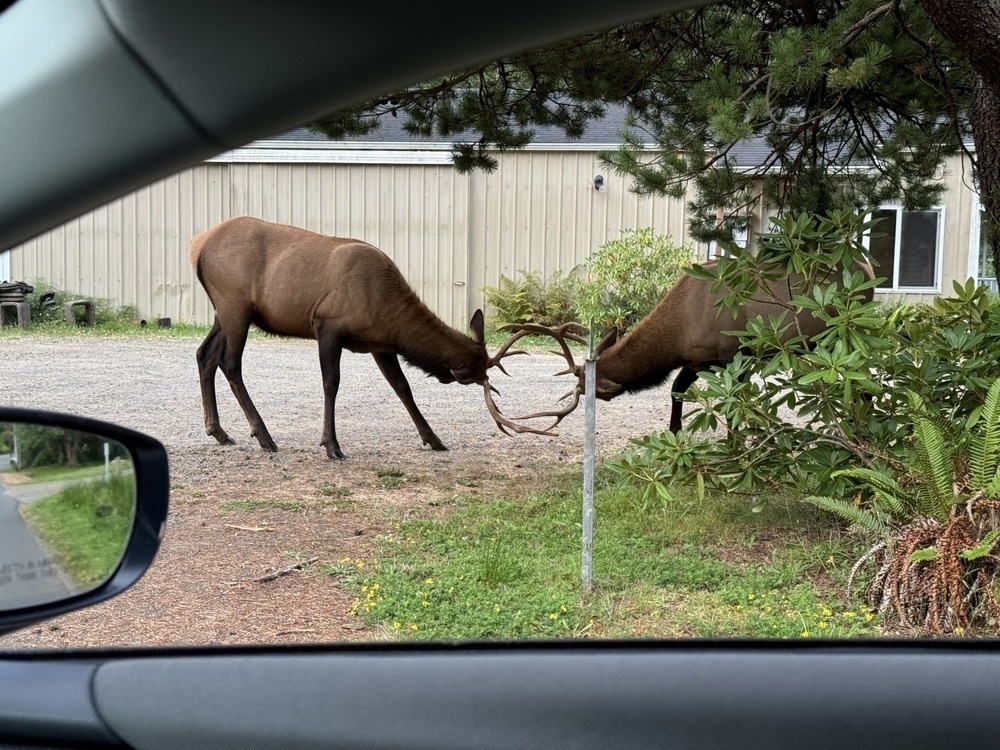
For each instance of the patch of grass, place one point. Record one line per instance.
(251, 505)
(496, 568)
(41, 474)
(333, 490)
(57, 329)
(86, 526)
(389, 478)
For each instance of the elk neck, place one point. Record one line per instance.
(645, 357)
(427, 342)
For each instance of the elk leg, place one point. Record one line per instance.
(388, 363)
(231, 363)
(329, 363)
(684, 380)
(209, 356)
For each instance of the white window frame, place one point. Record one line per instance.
(895, 288)
(972, 267)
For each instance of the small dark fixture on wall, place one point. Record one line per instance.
(599, 182)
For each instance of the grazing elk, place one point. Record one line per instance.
(685, 333)
(344, 293)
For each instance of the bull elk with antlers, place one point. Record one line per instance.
(344, 293)
(684, 333)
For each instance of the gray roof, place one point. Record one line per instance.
(605, 132)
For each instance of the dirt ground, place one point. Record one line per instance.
(238, 513)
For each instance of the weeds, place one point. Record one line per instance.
(500, 569)
(252, 505)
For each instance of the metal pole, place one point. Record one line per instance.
(589, 450)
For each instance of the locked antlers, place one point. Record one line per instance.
(570, 331)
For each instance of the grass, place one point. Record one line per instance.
(252, 505)
(63, 473)
(496, 568)
(389, 478)
(104, 328)
(86, 526)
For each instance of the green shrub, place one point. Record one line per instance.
(935, 521)
(847, 402)
(532, 300)
(627, 277)
(47, 306)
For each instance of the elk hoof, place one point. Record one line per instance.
(436, 445)
(221, 436)
(267, 444)
(335, 452)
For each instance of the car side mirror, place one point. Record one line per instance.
(82, 509)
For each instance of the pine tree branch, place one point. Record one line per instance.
(868, 21)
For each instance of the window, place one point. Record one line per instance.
(980, 253)
(907, 247)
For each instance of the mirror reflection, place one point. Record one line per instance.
(67, 500)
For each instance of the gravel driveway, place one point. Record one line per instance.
(152, 385)
(237, 512)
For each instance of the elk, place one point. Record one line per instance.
(344, 293)
(684, 333)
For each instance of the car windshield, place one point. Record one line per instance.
(749, 236)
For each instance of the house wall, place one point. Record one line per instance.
(959, 206)
(450, 234)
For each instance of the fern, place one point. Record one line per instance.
(871, 520)
(887, 489)
(984, 452)
(935, 467)
(983, 548)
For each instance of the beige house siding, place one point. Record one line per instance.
(959, 212)
(450, 234)
(539, 211)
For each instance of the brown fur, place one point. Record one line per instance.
(344, 293)
(685, 332)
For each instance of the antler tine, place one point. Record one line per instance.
(575, 393)
(503, 422)
(562, 331)
(502, 351)
(560, 334)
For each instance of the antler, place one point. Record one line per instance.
(560, 334)
(503, 422)
(502, 351)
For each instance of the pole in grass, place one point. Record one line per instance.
(589, 450)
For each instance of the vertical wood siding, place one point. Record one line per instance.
(450, 234)
(134, 251)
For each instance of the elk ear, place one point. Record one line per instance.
(607, 342)
(476, 325)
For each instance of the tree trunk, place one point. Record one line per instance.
(974, 27)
